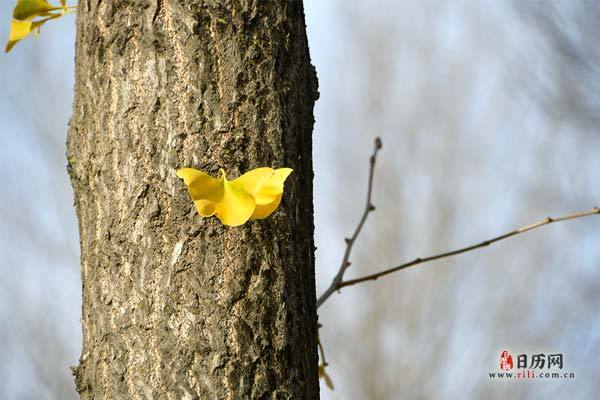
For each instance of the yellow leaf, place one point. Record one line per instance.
(254, 195)
(18, 30)
(323, 374)
(264, 210)
(236, 206)
(26, 10)
(273, 186)
(269, 196)
(201, 185)
(24, 13)
(21, 29)
(252, 181)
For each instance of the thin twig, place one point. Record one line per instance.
(369, 207)
(322, 351)
(485, 243)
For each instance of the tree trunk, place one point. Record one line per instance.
(176, 306)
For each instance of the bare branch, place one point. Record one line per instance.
(336, 284)
(547, 221)
(321, 350)
(338, 281)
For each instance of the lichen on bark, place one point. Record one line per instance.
(176, 306)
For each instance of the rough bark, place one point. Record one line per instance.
(176, 306)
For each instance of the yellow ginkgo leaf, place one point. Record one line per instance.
(273, 186)
(201, 185)
(254, 195)
(323, 374)
(269, 196)
(264, 210)
(24, 14)
(26, 10)
(21, 29)
(252, 181)
(236, 206)
(18, 30)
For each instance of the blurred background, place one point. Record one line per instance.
(489, 113)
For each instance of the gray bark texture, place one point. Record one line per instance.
(176, 306)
